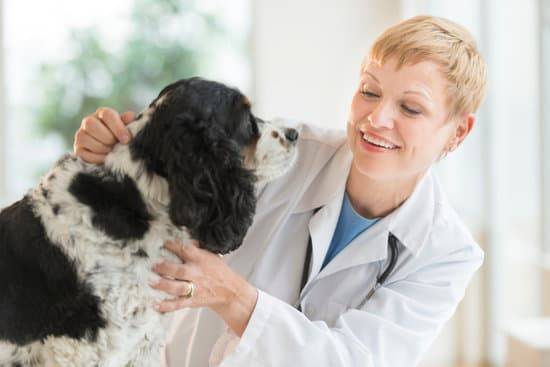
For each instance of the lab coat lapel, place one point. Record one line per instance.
(323, 223)
(326, 194)
(321, 229)
(358, 253)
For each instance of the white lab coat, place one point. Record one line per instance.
(438, 257)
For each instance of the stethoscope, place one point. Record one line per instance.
(394, 254)
(380, 280)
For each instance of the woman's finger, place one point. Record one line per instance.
(88, 156)
(175, 304)
(113, 122)
(88, 142)
(172, 270)
(176, 288)
(128, 117)
(95, 127)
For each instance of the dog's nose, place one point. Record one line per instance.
(291, 134)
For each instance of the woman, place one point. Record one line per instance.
(420, 85)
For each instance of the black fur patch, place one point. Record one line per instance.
(118, 208)
(40, 293)
(140, 253)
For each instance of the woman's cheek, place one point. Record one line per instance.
(351, 126)
(359, 108)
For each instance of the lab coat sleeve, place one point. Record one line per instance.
(393, 329)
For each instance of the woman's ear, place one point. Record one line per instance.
(463, 128)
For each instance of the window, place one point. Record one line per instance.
(64, 59)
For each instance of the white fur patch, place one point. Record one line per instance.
(274, 154)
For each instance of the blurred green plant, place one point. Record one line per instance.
(167, 41)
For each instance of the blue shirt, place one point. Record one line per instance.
(350, 225)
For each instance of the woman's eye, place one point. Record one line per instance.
(368, 93)
(410, 111)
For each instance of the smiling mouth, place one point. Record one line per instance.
(378, 143)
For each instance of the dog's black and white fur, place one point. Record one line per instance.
(76, 251)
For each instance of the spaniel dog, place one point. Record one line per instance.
(76, 251)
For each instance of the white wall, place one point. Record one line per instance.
(307, 55)
(512, 33)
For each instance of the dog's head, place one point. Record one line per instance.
(203, 139)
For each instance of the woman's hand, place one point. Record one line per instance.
(99, 132)
(216, 285)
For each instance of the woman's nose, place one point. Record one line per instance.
(382, 116)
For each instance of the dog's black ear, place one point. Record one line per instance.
(211, 193)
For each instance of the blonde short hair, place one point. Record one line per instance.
(428, 38)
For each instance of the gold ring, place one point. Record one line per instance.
(191, 290)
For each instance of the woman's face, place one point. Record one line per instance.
(397, 125)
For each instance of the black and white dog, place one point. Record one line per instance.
(76, 251)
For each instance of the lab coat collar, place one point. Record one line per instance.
(322, 226)
(411, 223)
